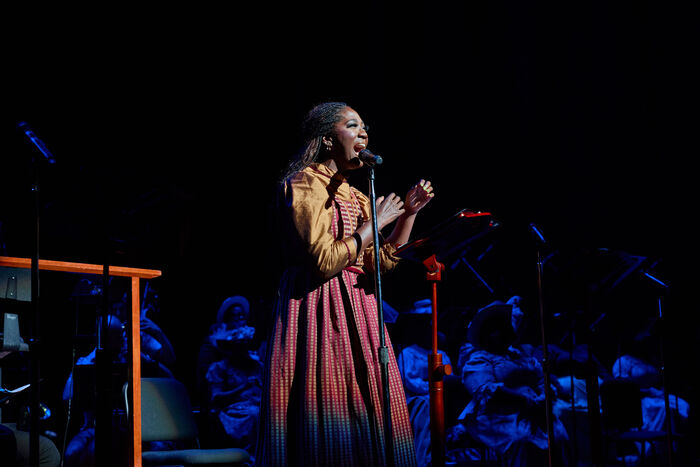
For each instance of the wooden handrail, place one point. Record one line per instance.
(134, 346)
(66, 266)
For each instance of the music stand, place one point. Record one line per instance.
(441, 244)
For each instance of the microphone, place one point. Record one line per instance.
(27, 130)
(370, 159)
(537, 232)
(647, 272)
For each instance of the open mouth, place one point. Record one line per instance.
(359, 147)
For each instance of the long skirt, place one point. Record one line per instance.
(323, 391)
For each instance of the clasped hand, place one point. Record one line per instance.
(390, 208)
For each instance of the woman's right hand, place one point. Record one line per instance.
(389, 208)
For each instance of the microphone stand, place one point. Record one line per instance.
(572, 347)
(545, 351)
(668, 422)
(35, 341)
(383, 350)
(103, 375)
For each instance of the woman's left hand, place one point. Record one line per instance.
(417, 197)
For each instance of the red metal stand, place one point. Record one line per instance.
(436, 372)
(449, 239)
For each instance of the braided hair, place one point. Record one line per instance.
(319, 122)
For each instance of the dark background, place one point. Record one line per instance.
(171, 128)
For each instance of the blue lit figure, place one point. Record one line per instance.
(506, 413)
(637, 366)
(229, 377)
(413, 366)
(157, 357)
(235, 387)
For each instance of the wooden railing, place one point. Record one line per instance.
(134, 324)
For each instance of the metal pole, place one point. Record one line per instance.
(35, 341)
(545, 362)
(383, 350)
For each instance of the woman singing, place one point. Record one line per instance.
(322, 395)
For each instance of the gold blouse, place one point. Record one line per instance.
(325, 211)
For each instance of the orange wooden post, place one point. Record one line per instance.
(134, 376)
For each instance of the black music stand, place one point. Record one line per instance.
(445, 242)
(603, 271)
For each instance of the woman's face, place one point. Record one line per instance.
(349, 138)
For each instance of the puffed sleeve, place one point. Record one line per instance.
(387, 260)
(311, 212)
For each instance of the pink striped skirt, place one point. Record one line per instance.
(322, 396)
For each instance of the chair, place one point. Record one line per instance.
(621, 405)
(166, 415)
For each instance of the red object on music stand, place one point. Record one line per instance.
(446, 241)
